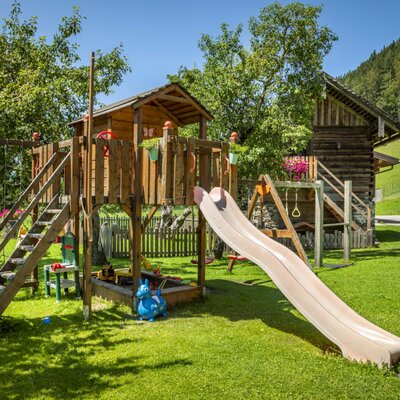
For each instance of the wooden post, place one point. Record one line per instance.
(205, 183)
(135, 231)
(347, 236)
(233, 170)
(88, 222)
(166, 169)
(75, 191)
(35, 211)
(319, 224)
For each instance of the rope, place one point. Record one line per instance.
(296, 212)
(286, 201)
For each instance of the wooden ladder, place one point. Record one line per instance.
(22, 261)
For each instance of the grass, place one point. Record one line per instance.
(390, 181)
(388, 207)
(245, 340)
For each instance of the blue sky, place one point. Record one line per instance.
(161, 35)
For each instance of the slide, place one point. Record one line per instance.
(357, 338)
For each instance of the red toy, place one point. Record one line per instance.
(237, 258)
(209, 260)
(56, 266)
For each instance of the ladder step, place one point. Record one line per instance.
(26, 247)
(9, 275)
(43, 223)
(17, 261)
(53, 211)
(30, 283)
(35, 235)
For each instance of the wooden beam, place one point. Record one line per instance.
(205, 183)
(319, 225)
(168, 113)
(347, 236)
(286, 219)
(149, 217)
(175, 99)
(20, 143)
(88, 221)
(135, 231)
(201, 110)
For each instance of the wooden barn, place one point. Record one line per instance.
(346, 130)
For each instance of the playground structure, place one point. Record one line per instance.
(94, 168)
(81, 174)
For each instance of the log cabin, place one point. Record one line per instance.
(346, 129)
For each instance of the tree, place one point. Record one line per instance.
(378, 79)
(43, 85)
(265, 91)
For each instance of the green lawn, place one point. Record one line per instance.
(388, 207)
(389, 181)
(245, 341)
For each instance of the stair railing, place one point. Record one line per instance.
(27, 191)
(35, 200)
(366, 212)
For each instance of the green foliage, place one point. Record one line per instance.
(43, 85)
(237, 148)
(150, 143)
(265, 91)
(378, 79)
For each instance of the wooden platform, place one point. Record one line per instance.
(124, 294)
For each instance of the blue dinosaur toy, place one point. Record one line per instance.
(150, 306)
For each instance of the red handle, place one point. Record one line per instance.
(194, 162)
(104, 135)
(228, 165)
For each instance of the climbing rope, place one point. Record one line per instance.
(286, 201)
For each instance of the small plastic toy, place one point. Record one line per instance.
(107, 273)
(150, 306)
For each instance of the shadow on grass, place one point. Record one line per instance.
(388, 235)
(239, 302)
(36, 362)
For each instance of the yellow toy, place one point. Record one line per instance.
(107, 273)
(122, 274)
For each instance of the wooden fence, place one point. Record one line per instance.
(156, 241)
(163, 242)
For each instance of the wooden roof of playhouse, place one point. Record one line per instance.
(382, 126)
(169, 102)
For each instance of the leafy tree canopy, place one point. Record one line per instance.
(266, 90)
(378, 79)
(43, 85)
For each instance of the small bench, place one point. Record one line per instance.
(61, 282)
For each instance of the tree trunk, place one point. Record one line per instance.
(218, 249)
(98, 256)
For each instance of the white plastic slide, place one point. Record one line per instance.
(357, 338)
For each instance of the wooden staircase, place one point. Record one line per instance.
(21, 263)
(337, 186)
(336, 211)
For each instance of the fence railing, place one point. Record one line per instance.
(166, 242)
(157, 241)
